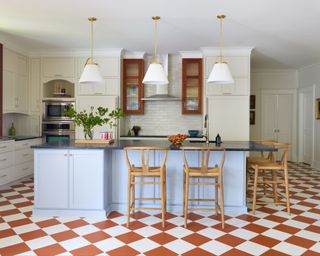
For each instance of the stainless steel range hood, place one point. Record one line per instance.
(161, 97)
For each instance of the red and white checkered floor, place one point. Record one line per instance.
(270, 232)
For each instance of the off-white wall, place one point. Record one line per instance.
(164, 117)
(309, 76)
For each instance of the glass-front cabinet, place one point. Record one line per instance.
(191, 86)
(133, 70)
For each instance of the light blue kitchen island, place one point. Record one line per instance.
(83, 181)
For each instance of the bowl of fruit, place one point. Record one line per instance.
(177, 139)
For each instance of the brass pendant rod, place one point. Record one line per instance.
(221, 17)
(156, 19)
(91, 19)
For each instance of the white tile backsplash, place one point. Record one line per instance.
(164, 117)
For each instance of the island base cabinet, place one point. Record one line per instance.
(69, 182)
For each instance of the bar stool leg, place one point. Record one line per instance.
(162, 199)
(275, 186)
(129, 199)
(287, 189)
(186, 200)
(184, 192)
(255, 189)
(221, 201)
(216, 196)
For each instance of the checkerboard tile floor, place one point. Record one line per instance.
(270, 232)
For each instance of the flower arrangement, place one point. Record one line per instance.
(88, 120)
(177, 139)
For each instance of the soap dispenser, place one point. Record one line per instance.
(218, 139)
(12, 131)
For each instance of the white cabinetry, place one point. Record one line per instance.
(35, 82)
(58, 67)
(110, 70)
(69, 180)
(15, 82)
(6, 162)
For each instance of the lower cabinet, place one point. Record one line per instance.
(69, 179)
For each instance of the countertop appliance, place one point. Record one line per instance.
(54, 110)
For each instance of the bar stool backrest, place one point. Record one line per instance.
(205, 157)
(145, 157)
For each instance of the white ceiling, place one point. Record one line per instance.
(285, 33)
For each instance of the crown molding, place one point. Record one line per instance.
(227, 51)
(133, 54)
(107, 52)
(191, 54)
(12, 45)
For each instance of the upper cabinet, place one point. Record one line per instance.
(240, 70)
(110, 70)
(35, 82)
(192, 86)
(133, 71)
(58, 68)
(15, 82)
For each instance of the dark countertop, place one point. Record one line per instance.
(156, 136)
(19, 138)
(120, 144)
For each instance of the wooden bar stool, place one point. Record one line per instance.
(205, 171)
(273, 173)
(146, 171)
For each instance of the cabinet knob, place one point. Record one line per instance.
(4, 175)
(65, 154)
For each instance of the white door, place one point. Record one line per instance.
(307, 124)
(269, 116)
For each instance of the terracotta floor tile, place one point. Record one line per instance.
(86, 250)
(123, 251)
(255, 228)
(195, 226)
(76, 223)
(197, 252)
(227, 228)
(65, 235)
(196, 239)
(218, 217)
(274, 253)
(14, 197)
(310, 253)
(168, 216)
(266, 210)
(314, 210)
(247, 217)
(96, 236)
(4, 203)
(162, 238)
(47, 223)
(230, 240)
(303, 203)
(50, 250)
(304, 219)
(9, 212)
(23, 204)
(294, 211)
(105, 224)
(302, 242)
(32, 235)
(130, 237)
(114, 215)
(265, 241)
(160, 251)
(21, 222)
(14, 249)
(139, 215)
(287, 229)
(193, 216)
(167, 226)
(275, 218)
(135, 225)
(236, 252)
(6, 233)
(313, 228)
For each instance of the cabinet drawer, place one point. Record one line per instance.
(6, 159)
(240, 87)
(58, 67)
(109, 66)
(24, 144)
(22, 170)
(23, 155)
(6, 146)
(6, 175)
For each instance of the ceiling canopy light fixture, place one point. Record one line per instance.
(91, 73)
(220, 73)
(155, 73)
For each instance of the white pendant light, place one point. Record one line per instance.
(91, 73)
(155, 73)
(220, 73)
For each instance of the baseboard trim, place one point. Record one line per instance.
(37, 212)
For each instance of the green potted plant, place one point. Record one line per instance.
(136, 129)
(88, 120)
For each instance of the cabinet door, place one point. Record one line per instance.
(86, 102)
(9, 99)
(58, 67)
(51, 179)
(87, 179)
(21, 93)
(269, 116)
(34, 88)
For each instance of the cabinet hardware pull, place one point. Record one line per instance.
(98, 93)
(65, 154)
(4, 175)
(227, 93)
(26, 168)
(3, 160)
(57, 75)
(25, 154)
(3, 147)
(25, 144)
(70, 155)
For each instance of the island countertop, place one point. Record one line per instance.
(120, 144)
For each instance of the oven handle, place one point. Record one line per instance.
(58, 132)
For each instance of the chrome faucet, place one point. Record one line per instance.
(206, 126)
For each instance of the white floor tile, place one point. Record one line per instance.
(55, 229)
(74, 243)
(86, 230)
(316, 247)
(244, 234)
(26, 228)
(296, 224)
(179, 246)
(179, 232)
(13, 217)
(252, 248)
(144, 245)
(147, 231)
(208, 222)
(309, 235)
(211, 233)
(215, 247)
(11, 240)
(40, 242)
(288, 248)
(266, 223)
(150, 220)
(237, 222)
(116, 230)
(109, 244)
(276, 234)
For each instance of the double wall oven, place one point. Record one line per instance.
(56, 126)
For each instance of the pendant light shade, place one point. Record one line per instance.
(91, 73)
(155, 73)
(220, 73)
